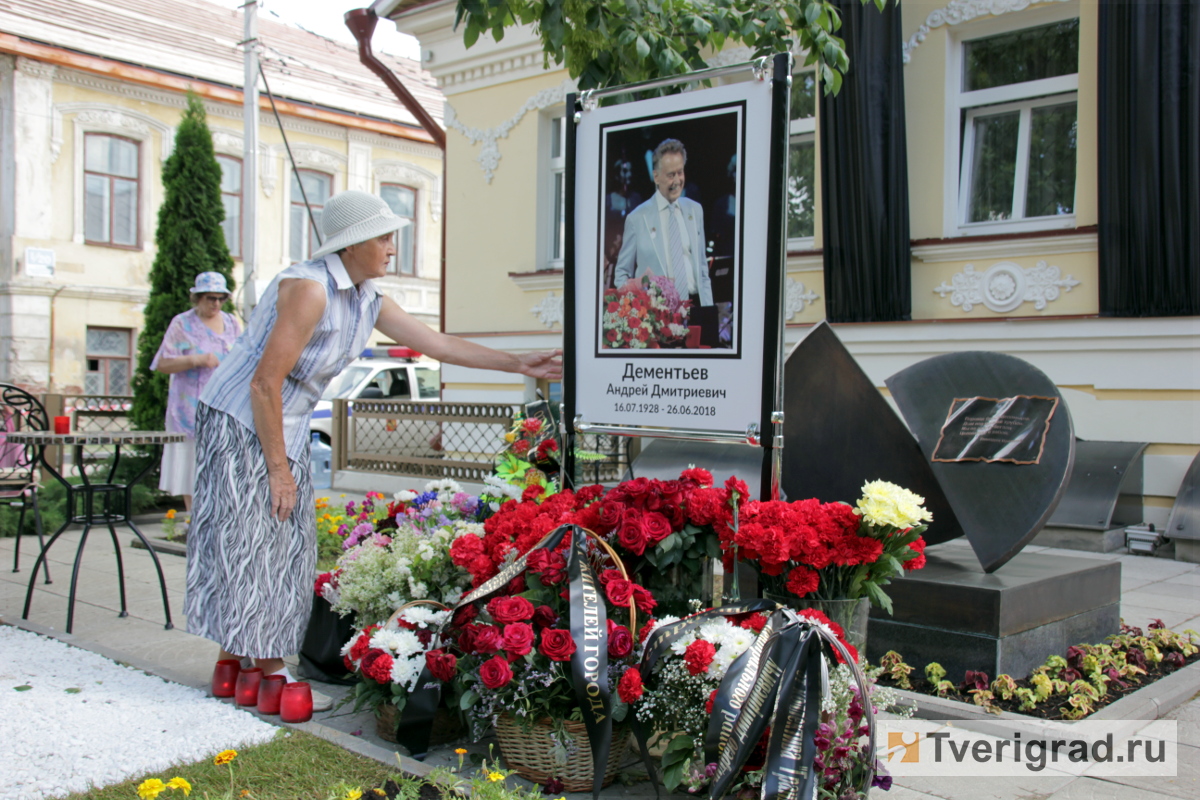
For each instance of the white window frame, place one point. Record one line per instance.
(1063, 88)
(317, 159)
(805, 130)
(550, 168)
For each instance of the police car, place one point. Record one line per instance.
(380, 373)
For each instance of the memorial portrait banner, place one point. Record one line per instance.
(1008, 429)
(669, 267)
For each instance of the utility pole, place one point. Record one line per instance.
(250, 160)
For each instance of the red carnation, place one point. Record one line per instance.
(532, 493)
(629, 688)
(712, 699)
(918, 561)
(620, 640)
(700, 477)
(510, 609)
(557, 644)
(520, 447)
(442, 665)
(642, 598)
(377, 665)
(360, 646)
(495, 672)
(698, 656)
(588, 494)
(532, 425)
(518, 638)
(755, 622)
(802, 580)
(465, 549)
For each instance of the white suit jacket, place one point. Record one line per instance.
(644, 248)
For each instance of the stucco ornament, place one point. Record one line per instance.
(489, 155)
(549, 310)
(1005, 286)
(957, 11)
(797, 297)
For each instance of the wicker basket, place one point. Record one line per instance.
(447, 725)
(530, 753)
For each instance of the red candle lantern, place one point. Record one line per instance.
(296, 705)
(225, 677)
(270, 692)
(247, 686)
(62, 424)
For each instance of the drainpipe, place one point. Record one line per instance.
(361, 22)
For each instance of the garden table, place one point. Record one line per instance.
(90, 503)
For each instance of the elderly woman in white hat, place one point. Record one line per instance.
(191, 349)
(252, 546)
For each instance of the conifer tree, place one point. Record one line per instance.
(190, 240)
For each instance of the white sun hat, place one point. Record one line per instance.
(352, 217)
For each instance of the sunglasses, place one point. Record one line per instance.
(213, 298)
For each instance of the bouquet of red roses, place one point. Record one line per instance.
(662, 530)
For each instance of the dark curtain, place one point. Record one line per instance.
(1149, 170)
(864, 174)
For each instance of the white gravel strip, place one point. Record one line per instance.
(88, 722)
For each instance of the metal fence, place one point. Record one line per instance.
(434, 440)
(90, 413)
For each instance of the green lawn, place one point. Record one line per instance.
(294, 766)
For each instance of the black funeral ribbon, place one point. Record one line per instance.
(777, 682)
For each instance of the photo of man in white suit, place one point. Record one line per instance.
(664, 236)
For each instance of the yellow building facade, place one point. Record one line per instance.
(87, 118)
(1027, 285)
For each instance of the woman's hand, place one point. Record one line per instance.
(283, 494)
(544, 364)
(205, 360)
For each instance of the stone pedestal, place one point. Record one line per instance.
(1006, 622)
(1094, 541)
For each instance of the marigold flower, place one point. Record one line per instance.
(171, 514)
(224, 757)
(180, 783)
(495, 776)
(150, 788)
(462, 751)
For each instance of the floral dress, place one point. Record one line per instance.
(188, 335)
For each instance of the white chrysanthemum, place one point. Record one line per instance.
(398, 642)
(426, 617)
(445, 488)
(715, 631)
(721, 661)
(681, 644)
(406, 671)
(404, 496)
(885, 503)
(739, 640)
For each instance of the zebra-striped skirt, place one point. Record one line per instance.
(249, 576)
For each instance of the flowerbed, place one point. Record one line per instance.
(1085, 680)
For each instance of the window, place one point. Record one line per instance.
(802, 160)
(231, 197)
(110, 170)
(108, 361)
(1017, 107)
(558, 187)
(318, 186)
(403, 202)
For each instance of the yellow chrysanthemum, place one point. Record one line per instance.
(180, 783)
(885, 503)
(462, 751)
(171, 514)
(352, 794)
(510, 437)
(495, 776)
(150, 788)
(224, 757)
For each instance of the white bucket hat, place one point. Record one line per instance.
(210, 283)
(352, 217)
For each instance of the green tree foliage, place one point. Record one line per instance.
(189, 240)
(615, 42)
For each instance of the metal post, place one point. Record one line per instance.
(250, 160)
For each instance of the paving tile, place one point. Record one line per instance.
(1178, 602)
(1131, 583)
(1031, 787)
(1141, 616)
(1096, 789)
(1172, 589)
(1159, 568)
(1188, 578)
(1185, 784)
(1062, 551)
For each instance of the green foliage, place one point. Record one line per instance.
(614, 42)
(189, 240)
(675, 760)
(52, 500)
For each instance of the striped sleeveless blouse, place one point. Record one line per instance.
(341, 334)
